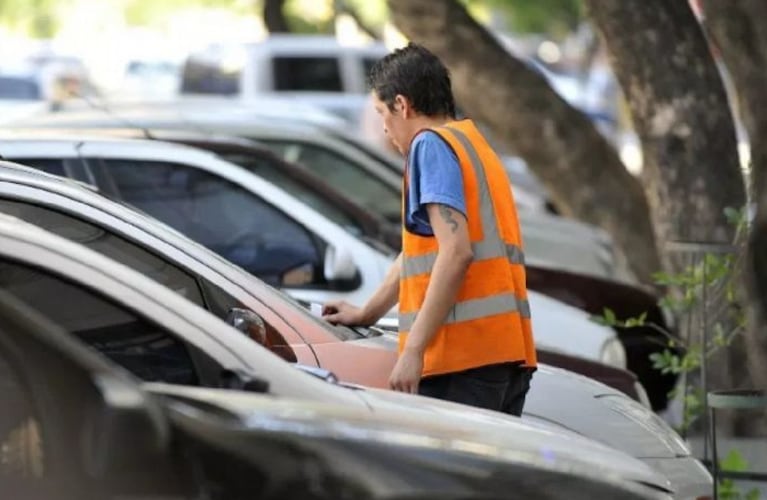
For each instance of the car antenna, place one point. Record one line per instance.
(102, 106)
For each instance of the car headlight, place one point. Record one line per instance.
(613, 353)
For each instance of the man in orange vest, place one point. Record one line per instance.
(464, 319)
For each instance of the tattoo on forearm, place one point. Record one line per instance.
(447, 216)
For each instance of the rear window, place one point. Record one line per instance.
(318, 74)
(17, 88)
(208, 77)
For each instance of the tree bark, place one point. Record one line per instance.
(577, 165)
(738, 29)
(681, 113)
(274, 16)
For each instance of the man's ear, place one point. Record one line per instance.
(402, 105)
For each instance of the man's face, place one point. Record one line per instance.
(394, 122)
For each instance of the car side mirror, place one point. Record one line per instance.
(320, 373)
(125, 431)
(339, 265)
(249, 323)
(240, 381)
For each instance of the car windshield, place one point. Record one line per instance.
(344, 174)
(19, 88)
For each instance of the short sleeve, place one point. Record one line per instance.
(435, 176)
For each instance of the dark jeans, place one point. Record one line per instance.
(500, 387)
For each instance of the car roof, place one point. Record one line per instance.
(265, 106)
(304, 44)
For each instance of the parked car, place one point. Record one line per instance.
(316, 69)
(158, 336)
(362, 356)
(282, 240)
(81, 427)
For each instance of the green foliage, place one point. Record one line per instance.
(147, 12)
(36, 17)
(713, 278)
(553, 17)
(736, 462)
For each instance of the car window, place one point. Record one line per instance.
(209, 77)
(200, 291)
(147, 350)
(274, 173)
(321, 74)
(106, 243)
(51, 166)
(19, 88)
(346, 176)
(222, 216)
(22, 454)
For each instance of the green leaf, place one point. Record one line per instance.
(753, 494)
(599, 320)
(732, 214)
(642, 318)
(734, 461)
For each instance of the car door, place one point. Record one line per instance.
(98, 235)
(53, 438)
(148, 350)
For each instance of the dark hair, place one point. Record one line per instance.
(416, 74)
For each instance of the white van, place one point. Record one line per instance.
(318, 69)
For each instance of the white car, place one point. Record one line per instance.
(263, 229)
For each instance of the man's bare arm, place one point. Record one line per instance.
(453, 259)
(386, 296)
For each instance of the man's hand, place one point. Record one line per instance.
(407, 372)
(343, 313)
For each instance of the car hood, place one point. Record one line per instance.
(561, 396)
(570, 401)
(500, 439)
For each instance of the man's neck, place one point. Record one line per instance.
(423, 122)
(426, 122)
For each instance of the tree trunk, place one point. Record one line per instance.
(274, 16)
(577, 165)
(758, 264)
(738, 29)
(680, 111)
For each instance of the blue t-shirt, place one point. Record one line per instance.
(434, 176)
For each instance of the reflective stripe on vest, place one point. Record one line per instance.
(475, 309)
(422, 264)
(490, 247)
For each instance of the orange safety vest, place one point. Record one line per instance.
(490, 321)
